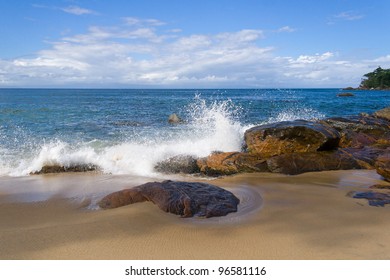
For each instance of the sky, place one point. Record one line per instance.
(191, 43)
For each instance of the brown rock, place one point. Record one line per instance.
(180, 198)
(298, 163)
(380, 187)
(342, 159)
(374, 127)
(62, 169)
(290, 137)
(218, 164)
(383, 166)
(366, 157)
(354, 139)
(383, 114)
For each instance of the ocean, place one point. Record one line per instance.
(126, 131)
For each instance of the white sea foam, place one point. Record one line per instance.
(209, 127)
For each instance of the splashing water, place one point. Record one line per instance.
(297, 114)
(209, 127)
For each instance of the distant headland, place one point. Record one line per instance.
(379, 79)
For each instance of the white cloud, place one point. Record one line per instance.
(141, 55)
(286, 29)
(76, 10)
(136, 21)
(350, 15)
(345, 16)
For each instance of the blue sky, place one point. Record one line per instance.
(191, 44)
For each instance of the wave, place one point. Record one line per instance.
(208, 127)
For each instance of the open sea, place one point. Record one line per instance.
(126, 131)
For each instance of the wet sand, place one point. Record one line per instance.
(308, 216)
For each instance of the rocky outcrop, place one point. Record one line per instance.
(178, 164)
(46, 169)
(290, 137)
(218, 164)
(293, 147)
(181, 198)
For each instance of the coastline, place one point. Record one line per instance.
(307, 216)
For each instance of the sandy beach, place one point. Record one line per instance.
(308, 216)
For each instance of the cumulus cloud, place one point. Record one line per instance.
(140, 54)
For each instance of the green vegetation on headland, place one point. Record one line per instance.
(379, 79)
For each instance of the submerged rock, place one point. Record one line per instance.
(345, 94)
(178, 164)
(46, 169)
(290, 137)
(173, 118)
(181, 198)
(374, 198)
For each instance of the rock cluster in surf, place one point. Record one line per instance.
(294, 147)
(181, 198)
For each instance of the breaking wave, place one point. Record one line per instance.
(208, 126)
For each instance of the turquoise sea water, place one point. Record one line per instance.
(126, 131)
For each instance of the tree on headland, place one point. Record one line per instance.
(378, 79)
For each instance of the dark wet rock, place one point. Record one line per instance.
(380, 187)
(62, 169)
(298, 136)
(383, 114)
(218, 164)
(186, 199)
(382, 165)
(345, 94)
(173, 118)
(374, 198)
(297, 163)
(178, 164)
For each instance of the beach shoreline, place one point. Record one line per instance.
(308, 216)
